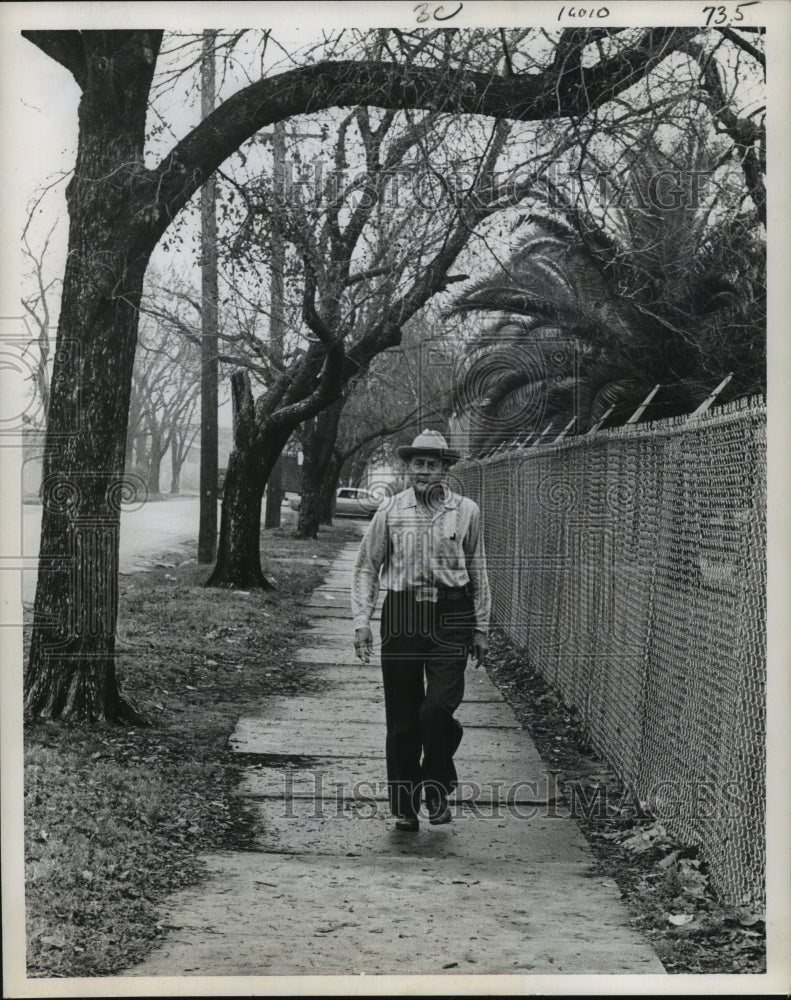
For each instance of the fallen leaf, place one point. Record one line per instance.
(638, 845)
(53, 940)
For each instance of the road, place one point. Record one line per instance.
(145, 533)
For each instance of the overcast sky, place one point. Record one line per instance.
(40, 98)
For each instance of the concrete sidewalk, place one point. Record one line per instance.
(333, 889)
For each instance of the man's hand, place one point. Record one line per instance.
(479, 647)
(363, 643)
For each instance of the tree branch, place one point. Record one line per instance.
(743, 44)
(330, 386)
(310, 314)
(525, 97)
(373, 272)
(743, 131)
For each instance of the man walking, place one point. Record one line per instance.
(426, 541)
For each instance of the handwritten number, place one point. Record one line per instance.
(719, 15)
(584, 13)
(447, 17)
(421, 9)
(720, 12)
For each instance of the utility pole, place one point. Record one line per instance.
(277, 265)
(207, 532)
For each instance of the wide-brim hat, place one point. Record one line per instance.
(428, 443)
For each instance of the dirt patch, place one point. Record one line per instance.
(292, 762)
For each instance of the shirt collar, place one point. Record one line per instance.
(450, 499)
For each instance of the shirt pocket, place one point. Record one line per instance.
(448, 550)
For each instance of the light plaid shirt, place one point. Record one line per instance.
(415, 548)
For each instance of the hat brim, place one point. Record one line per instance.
(405, 452)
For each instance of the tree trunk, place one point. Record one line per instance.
(318, 449)
(309, 507)
(133, 425)
(176, 462)
(141, 452)
(129, 457)
(274, 496)
(71, 671)
(250, 463)
(239, 554)
(155, 466)
(329, 488)
(260, 437)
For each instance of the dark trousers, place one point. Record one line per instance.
(423, 639)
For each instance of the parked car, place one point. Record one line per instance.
(349, 501)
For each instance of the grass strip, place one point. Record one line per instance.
(116, 817)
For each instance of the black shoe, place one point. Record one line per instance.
(438, 809)
(408, 824)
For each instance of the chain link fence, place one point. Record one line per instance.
(630, 567)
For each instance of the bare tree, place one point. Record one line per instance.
(181, 442)
(353, 316)
(118, 210)
(165, 392)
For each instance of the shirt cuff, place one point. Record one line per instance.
(362, 621)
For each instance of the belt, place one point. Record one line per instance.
(442, 593)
